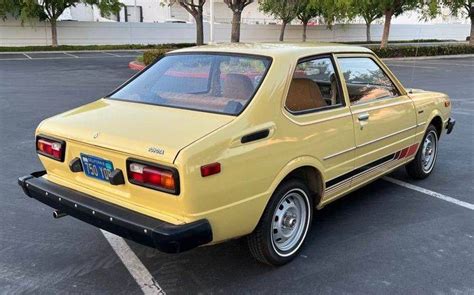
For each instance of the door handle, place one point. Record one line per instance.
(363, 117)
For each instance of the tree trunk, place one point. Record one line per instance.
(54, 33)
(236, 18)
(367, 30)
(282, 31)
(305, 27)
(471, 37)
(199, 28)
(386, 28)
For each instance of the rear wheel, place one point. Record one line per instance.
(285, 222)
(425, 159)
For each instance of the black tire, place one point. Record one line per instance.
(416, 169)
(261, 240)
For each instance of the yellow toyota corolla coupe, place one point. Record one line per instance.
(217, 142)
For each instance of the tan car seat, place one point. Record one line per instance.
(304, 94)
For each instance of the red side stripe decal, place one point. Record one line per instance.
(403, 154)
(407, 152)
(412, 149)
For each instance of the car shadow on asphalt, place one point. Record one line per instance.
(342, 235)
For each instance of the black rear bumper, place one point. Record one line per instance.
(129, 224)
(450, 125)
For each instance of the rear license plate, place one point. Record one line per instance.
(97, 167)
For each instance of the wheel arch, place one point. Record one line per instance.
(438, 123)
(307, 169)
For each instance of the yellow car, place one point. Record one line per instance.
(217, 142)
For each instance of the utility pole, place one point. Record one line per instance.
(211, 21)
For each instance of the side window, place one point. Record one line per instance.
(365, 80)
(313, 86)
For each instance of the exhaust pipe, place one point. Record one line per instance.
(58, 214)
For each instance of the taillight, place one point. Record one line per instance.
(153, 176)
(49, 147)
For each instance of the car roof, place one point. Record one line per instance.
(296, 50)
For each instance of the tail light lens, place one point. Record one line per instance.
(153, 176)
(50, 147)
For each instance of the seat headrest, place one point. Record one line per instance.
(237, 86)
(304, 94)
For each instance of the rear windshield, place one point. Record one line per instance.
(219, 83)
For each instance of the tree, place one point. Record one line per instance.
(284, 10)
(306, 11)
(462, 7)
(393, 8)
(369, 10)
(50, 10)
(328, 10)
(237, 6)
(195, 9)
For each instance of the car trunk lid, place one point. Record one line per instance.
(141, 130)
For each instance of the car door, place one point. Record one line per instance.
(383, 115)
(322, 119)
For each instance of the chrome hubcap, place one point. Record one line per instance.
(428, 151)
(289, 221)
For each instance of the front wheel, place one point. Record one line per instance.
(282, 229)
(425, 159)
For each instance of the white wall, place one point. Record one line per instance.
(84, 33)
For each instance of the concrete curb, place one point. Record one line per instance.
(136, 66)
(430, 57)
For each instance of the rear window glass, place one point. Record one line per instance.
(205, 82)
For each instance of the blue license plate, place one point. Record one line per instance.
(97, 167)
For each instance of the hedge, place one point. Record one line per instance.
(411, 51)
(150, 55)
(394, 51)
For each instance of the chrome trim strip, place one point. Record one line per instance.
(365, 110)
(387, 136)
(339, 153)
(421, 124)
(315, 121)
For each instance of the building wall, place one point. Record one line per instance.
(12, 33)
(155, 11)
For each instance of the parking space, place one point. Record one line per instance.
(384, 238)
(69, 54)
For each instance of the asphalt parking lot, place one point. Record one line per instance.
(384, 238)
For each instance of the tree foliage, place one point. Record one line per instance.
(457, 8)
(284, 10)
(306, 11)
(50, 10)
(369, 10)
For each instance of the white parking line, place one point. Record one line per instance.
(430, 193)
(116, 55)
(136, 268)
(75, 56)
(26, 55)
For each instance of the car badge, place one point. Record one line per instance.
(96, 135)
